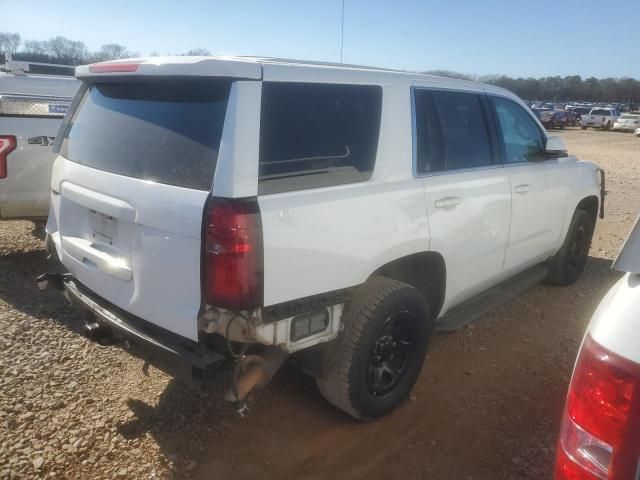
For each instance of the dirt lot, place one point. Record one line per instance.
(487, 405)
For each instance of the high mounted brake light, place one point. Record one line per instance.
(601, 424)
(233, 258)
(114, 67)
(7, 145)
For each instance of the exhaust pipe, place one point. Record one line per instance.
(253, 371)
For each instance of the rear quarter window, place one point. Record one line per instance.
(165, 131)
(317, 135)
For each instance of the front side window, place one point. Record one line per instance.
(523, 140)
(451, 131)
(317, 135)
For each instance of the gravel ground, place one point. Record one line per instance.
(487, 405)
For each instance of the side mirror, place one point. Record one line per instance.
(556, 147)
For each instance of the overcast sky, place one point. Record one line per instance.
(517, 38)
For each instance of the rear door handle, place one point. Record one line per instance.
(448, 202)
(524, 188)
(84, 251)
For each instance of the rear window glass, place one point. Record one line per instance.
(163, 131)
(600, 112)
(317, 135)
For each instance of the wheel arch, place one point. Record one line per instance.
(590, 205)
(425, 271)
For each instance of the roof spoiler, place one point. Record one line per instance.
(229, 67)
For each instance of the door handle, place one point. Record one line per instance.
(83, 251)
(524, 188)
(448, 202)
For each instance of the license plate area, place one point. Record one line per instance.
(104, 228)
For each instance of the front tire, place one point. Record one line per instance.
(568, 264)
(380, 351)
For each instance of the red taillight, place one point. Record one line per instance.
(601, 416)
(114, 67)
(7, 145)
(233, 271)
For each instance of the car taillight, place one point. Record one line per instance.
(233, 257)
(7, 145)
(600, 427)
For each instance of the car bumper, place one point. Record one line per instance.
(186, 360)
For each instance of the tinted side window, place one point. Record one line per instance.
(430, 149)
(316, 135)
(523, 140)
(457, 120)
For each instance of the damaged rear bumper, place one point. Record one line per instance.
(184, 359)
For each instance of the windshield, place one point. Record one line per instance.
(165, 131)
(630, 117)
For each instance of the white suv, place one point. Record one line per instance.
(275, 206)
(600, 117)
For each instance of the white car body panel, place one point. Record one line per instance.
(315, 240)
(343, 233)
(25, 192)
(237, 168)
(155, 231)
(616, 322)
(469, 214)
(539, 201)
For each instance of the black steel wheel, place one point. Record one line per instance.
(568, 264)
(391, 353)
(376, 359)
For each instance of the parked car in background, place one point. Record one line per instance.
(580, 111)
(553, 118)
(31, 111)
(573, 118)
(289, 207)
(599, 117)
(627, 122)
(600, 432)
(637, 132)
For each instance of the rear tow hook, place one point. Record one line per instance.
(55, 279)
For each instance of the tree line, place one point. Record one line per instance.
(560, 89)
(64, 51)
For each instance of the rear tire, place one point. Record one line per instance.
(380, 351)
(583, 127)
(568, 264)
